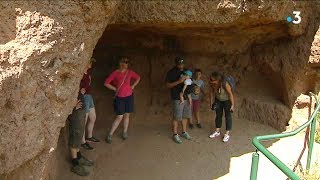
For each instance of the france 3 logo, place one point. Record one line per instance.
(296, 19)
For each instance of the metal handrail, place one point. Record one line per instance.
(256, 142)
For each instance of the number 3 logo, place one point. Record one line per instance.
(297, 16)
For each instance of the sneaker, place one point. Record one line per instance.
(186, 135)
(93, 139)
(124, 136)
(87, 146)
(80, 170)
(226, 138)
(85, 162)
(177, 139)
(190, 126)
(215, 134)
(199, 125)
(109, 139)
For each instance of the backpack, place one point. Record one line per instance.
(231, 82)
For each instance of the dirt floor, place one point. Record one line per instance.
(150, 153)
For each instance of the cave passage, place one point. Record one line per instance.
(152, 52)
(259, 96)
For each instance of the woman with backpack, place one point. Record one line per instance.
(221, 92)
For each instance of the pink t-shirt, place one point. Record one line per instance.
(116, 78)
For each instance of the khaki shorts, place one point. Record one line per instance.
(181, 111)
(76, 127)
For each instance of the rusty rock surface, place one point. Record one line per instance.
(314, 59)
(45, 46)
(43, 52)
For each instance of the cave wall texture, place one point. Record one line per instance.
(44, 48)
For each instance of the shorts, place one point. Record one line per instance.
(88, 102)
(76, 127)
(123, 105)
(181, 111)
(195, 105)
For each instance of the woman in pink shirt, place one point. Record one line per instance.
(120, 82)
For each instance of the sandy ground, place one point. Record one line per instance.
(149, 153)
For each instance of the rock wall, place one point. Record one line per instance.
(44, 48)
(314, 60)
(43, 52)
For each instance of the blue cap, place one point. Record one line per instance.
(188, 73)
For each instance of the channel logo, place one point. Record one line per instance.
(296, 19)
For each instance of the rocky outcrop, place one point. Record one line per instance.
(314, 59)
(43, 52)
(44, 48)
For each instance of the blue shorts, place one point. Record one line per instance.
(88, 102)
(123, 105)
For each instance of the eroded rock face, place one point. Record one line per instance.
(44, 48)
(43, 52)
(314, 59)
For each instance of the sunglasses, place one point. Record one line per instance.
(125, 62)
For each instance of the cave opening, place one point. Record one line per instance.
(45, 48)
(152, 50)
(260, 93)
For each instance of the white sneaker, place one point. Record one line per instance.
(215, 134)
(226, 138)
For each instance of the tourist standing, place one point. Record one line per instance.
(181, 111)
(85, 89)
(198, 86)
(221, 92)
(120, 82)
(76, 129)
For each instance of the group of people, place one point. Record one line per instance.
(186, 96)
(83, 116)
(187, 91)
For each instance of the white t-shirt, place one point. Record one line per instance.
(188, 82)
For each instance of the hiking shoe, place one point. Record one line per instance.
(109, 139)
(87, 146)
(124, 136)
(199, 125)
(93, 139)
(186, 135)
(85, 162)
(176, 139)
(190, 126)
(226, 138)
(215, 134)
(80, 170)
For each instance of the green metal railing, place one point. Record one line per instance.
(259, 147)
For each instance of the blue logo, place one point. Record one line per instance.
(289, 19)
(297, 18)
